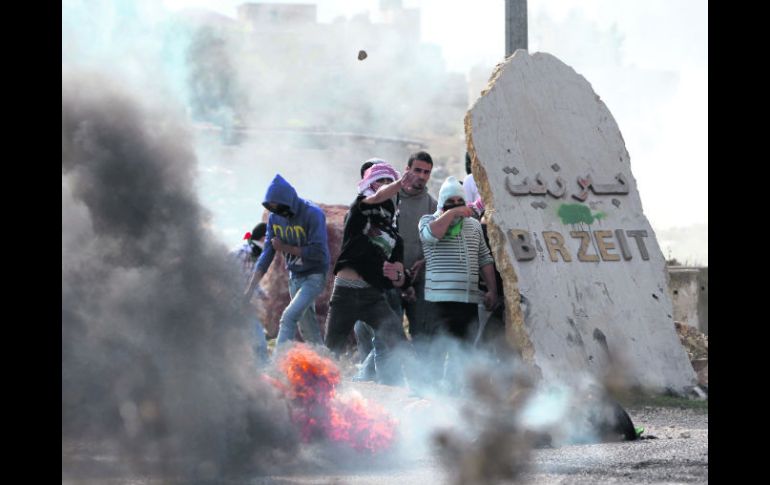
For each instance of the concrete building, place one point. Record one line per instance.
(284, 69)
(689, 289)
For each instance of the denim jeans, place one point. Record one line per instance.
(368, 344)
(303, 289)
(369, 305)
(420, 313)
(260, 343)
(457, 320)
(366, 350)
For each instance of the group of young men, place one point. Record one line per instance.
(402, 252)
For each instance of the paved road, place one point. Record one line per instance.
(679, 455)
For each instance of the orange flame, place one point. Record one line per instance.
(362, 425)
(316, 408)
(312, 378)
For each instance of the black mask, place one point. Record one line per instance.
(255, 249)
(283, 210)
(449, 206)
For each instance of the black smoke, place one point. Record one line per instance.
(157, 369)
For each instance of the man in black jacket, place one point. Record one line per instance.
(370, 262)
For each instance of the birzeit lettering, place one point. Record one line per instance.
(586, 246)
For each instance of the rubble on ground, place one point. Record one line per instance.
(696, 344)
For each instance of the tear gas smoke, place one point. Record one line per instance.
(155, 362)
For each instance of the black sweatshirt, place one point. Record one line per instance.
(369, 239)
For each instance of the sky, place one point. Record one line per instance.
(648, 60)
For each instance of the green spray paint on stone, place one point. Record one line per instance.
(577, 213)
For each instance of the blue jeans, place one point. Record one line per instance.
(260, 343)
(303, 289)
(368, 344)
(366, 350)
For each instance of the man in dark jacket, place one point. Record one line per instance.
(370, 263)
(297, 228)
(413, 202)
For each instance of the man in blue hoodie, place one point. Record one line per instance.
(297, 228)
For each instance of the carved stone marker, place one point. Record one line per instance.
(568, 232)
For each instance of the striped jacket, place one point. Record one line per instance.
(452, 264)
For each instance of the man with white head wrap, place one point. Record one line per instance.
(455, 252)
